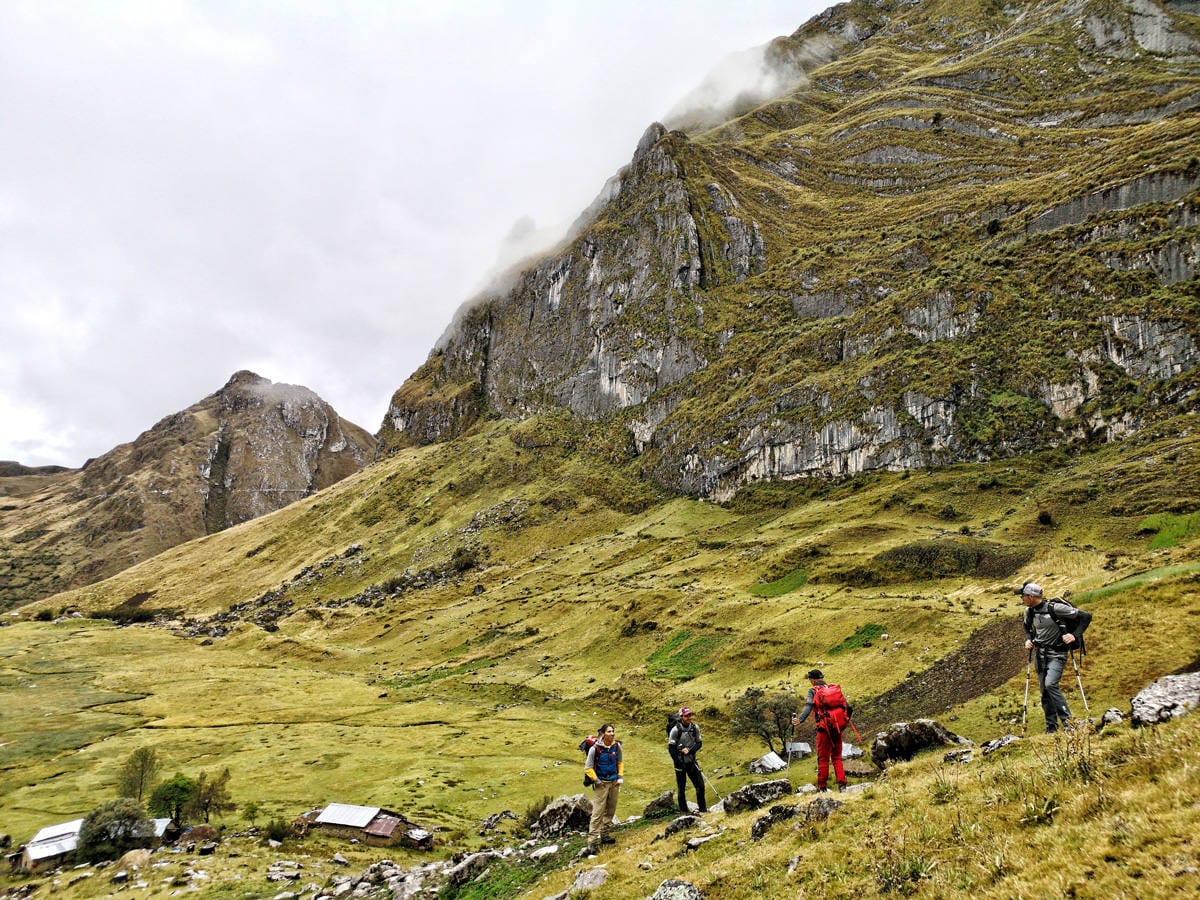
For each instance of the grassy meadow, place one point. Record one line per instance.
(446, 625)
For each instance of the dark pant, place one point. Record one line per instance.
(829, 748)
(684, 771)
(1050, 667)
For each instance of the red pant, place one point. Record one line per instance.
(829, 746)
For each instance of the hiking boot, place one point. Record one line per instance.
(608, 840)
(841, 786)
(703, 810)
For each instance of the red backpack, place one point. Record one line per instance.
(830, 704)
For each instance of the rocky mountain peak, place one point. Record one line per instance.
(248, 449)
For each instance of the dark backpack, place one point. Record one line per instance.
(584, 746)
(1065, 625)
(672, 720)
(831, 707)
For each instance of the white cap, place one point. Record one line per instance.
(1031, 589)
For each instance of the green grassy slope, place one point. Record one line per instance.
(506, 600)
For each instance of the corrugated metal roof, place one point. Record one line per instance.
(53, 847)
(383, 826)
(63, 829)
(347, 815)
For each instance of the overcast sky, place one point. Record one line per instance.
(304, 189)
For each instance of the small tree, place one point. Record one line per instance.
(212, 796)
(251, 811)
(173, 796)
(765, 717)
(113, 829)
(138, 773)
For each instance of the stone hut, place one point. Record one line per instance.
(372, 825)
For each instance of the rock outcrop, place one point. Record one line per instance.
(863, 268)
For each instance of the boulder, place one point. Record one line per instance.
(676, 889)
(471, 867)
(1112, 716)
(752, 796)
(135, 859)
(564, 814)
(662, 805)
(588, 880)
(764, 765)
(1168, 698)
(904, 740)
(779, 813)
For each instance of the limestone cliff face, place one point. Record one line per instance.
(954, 235)
(604, 323)
(250, 448)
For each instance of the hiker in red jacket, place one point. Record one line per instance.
(832, 714)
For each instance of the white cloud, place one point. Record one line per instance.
(308, 189)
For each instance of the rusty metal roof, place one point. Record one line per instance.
(384, 826)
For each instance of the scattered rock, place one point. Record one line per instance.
(471, 867)
(992, 746)
(1112, 716)
(676, 889)
(696, 843)
(660, 806)
(493, 821)
(1168, 698)
(820, 810)
(752, 796)
(779, 813)
(679, 824)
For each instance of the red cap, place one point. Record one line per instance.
(685, 711)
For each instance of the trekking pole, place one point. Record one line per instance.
(850, 722)
(1025, 708)
(1079, 681)
(710, 784)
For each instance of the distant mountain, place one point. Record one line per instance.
(965, 231)
(248, 449)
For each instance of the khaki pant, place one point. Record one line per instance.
(604, 807)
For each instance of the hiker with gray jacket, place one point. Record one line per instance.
(1052, 630)
(683, 743)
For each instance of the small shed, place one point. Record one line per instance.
(50, 847)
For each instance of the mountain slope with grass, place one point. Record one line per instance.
(247, 449)
(817, 385)
(968, 231)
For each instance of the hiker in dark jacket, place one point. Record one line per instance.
(683, 743)
(829, 736)
(605, 765)
(1051, 643)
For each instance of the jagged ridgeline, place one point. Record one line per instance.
(968, 231)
